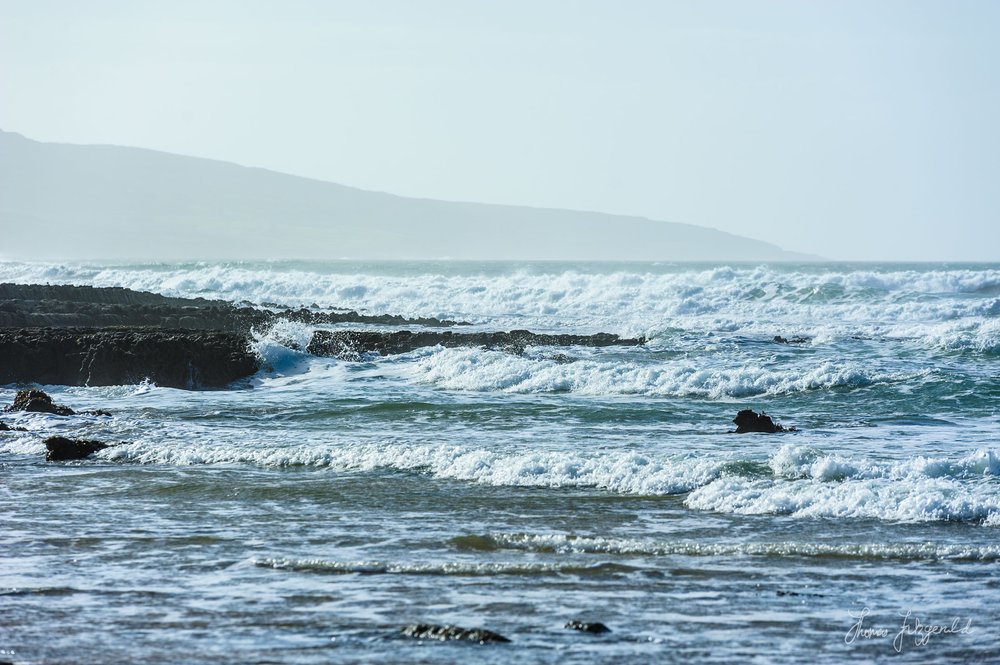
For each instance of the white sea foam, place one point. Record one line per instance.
(570, 544)
(485, 370)
(905, 501)
(456, 569)
(825, 304)
(626, 473)
(805, 482)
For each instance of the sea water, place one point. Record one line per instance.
(309, 514)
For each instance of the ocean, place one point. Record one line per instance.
(311, 513)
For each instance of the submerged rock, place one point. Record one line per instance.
(61, 449)
(425, 631)
(37, 401)
(4, 427)
(778, 339)
(595, 627)
(748, 420)
(352, 343)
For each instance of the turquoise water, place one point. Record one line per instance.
(309, 515)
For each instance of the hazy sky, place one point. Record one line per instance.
(855, 130)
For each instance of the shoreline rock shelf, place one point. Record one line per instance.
(100, 336)
(350, 343)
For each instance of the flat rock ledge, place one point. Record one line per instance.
(352, 343)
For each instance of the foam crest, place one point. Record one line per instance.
(912, 500)
(485, 370)
(282, 346)
(449, 569)
(625, 473)
(571, 544)
(793, 462)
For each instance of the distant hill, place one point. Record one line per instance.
(61, 201)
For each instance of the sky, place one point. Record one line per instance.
(856, 130)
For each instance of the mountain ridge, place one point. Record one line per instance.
(100, 201)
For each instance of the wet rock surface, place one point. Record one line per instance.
(62, 449)
(4, 427)
(82, 356)
(37, 401)
(426, 631)
(747, 421)
(351, 343)
(778, 339)
(592, 627)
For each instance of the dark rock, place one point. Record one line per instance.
(778, 339)
(36, 401)
(98, 412)
(424, 631)
(595, 628)
(61, 449)
(561, 358)
(4, 427)
(779, 592)
(352, 343)
(750, 421)
(86, 357)
(303, 315)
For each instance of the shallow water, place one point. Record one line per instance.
(311, 513)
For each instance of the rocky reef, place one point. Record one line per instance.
(425, 631)
(351, 343)
(97, 336)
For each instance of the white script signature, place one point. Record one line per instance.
(912, 627)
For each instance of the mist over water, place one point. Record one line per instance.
(308, 515)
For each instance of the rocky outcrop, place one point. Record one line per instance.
(4, 427)
(36, 401)
(83, 335)
(594, 628)
(426, 631)
(261, 319)
(350, 344)
(61, 449)
(748, 421)
(85, 357)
